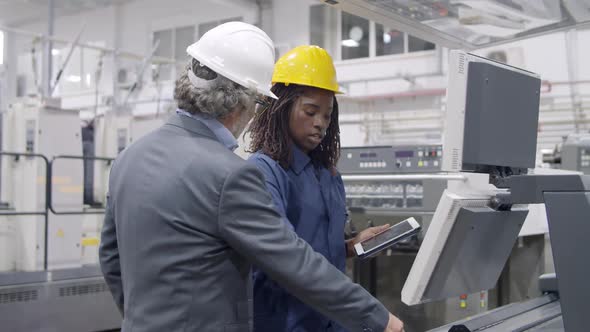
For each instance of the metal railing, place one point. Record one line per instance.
(45, 211)
(50, 188)
(48, 204)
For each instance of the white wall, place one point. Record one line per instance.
(290, 22)
(129, 27)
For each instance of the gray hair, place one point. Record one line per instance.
(218, 97)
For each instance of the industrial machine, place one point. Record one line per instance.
(48, 236)
(387, 184)
(492, 117)
(54, 182)
(573, 154)
(108, 135)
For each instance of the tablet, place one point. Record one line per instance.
(387, 238)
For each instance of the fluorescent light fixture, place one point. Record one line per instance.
(88, 79)
(55, 52)
(350, 43)
(1, 47)
(74, 78)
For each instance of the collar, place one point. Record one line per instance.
(223, 135)
(300, 159)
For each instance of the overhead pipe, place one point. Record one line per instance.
(546, 87)
(66, 61)
(402, 94)
(106, 50)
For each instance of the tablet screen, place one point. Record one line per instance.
(393, 232)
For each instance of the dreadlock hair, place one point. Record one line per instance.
(270, 130)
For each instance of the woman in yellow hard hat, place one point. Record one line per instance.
(296, 145)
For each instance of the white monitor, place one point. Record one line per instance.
(491, 128)
(491, 117)
(464, 250)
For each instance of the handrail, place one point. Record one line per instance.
(45, 212)
(404, 177)
(109, 160)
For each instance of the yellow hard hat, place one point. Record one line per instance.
(307, 65)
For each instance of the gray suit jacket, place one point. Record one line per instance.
(185, 219)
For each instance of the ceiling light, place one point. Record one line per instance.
(74, 78)
(350, 43)
(386, 38)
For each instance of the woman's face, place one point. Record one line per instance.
(310, 118)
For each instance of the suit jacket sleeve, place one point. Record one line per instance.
(109, 256)
(250, 225)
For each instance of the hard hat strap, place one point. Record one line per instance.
(200, 83)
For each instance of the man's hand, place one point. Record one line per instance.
(394, 325)
(364, 235)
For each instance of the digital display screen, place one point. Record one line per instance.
(392, 233)
(404, 154)
(368, 155)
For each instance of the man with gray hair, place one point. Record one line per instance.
(186, 217)
(211, 98)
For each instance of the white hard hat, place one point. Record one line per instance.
(239, 51)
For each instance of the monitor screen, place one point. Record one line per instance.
(391, 233)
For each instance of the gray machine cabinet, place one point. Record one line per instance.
(492, 125)
(567, 202)
(569, 228)
(475, 252)
(576, 157)
(73, 305)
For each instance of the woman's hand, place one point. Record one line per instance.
(364, 235)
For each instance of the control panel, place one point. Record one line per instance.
(575, 155)
(390, 159)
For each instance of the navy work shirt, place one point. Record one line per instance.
(313, 203)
